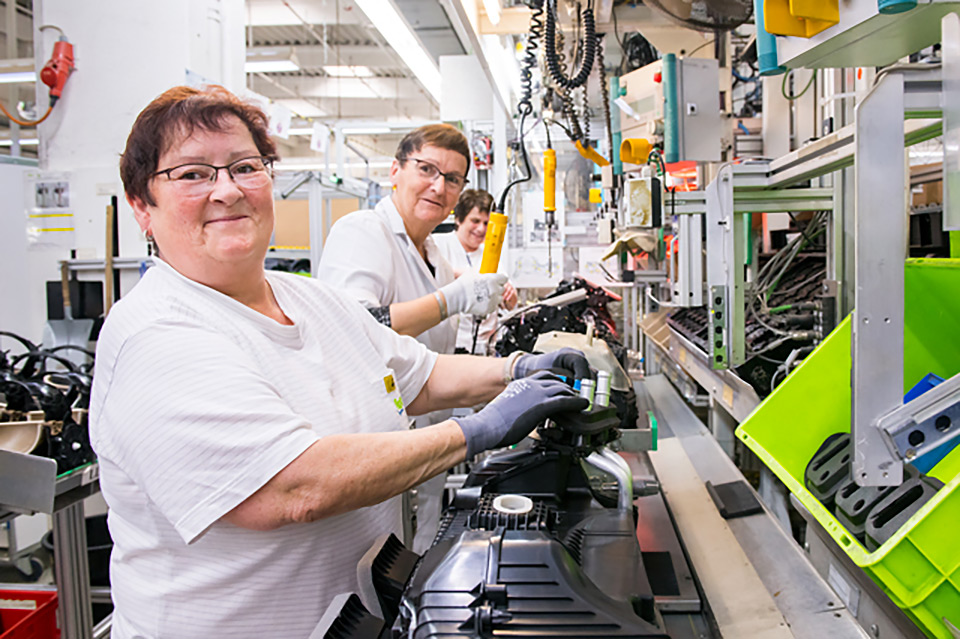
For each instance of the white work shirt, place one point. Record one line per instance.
(369, 256)
(453, 251)
(197, 402)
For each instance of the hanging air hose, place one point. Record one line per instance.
(524, 106)
(605, 93)
(589, 48)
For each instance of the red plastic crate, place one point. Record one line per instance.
(28, 614)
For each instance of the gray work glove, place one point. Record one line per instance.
(474, 294)
(567, 358)
(516, 411)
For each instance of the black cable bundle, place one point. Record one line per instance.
(589, 48)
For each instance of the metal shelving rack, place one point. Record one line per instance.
(30, 484)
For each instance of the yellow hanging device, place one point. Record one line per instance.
(493, 243)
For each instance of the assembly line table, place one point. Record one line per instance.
(29, 484)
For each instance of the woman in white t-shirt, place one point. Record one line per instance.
(252, 428)
(463, 249)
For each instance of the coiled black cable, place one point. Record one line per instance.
(525, 106)
(589, 48)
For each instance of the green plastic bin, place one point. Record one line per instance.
(919, 567)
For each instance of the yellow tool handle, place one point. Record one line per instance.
(493, 243)
(550, 180)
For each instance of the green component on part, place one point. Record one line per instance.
(954, 243)
(748, 240)
(671, 109)
(919, 566)
(780, 309)
(653, 429)
(615, 92)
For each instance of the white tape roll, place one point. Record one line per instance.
(513, 504)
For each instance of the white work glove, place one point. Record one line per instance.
(474, 294)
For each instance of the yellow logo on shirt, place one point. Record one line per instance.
(391, 385)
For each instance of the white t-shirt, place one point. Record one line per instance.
(452, 250)
(369, 256)
(197, 402)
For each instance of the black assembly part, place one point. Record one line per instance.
(854, 502)
(829, 467)
(896, 508)
(352, 621)
(569, 565)
(485, 583)
(389, 567)
(734, 499)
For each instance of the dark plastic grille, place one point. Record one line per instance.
(485, 517)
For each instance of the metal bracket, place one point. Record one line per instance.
(688, 285)
(950, 27)
(725, 259)
(926, 422)
(880, 250)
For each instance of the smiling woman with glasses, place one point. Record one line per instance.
(386, 258)
(234, 410)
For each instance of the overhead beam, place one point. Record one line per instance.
(372, 110)
(356, 88)
(314, 56)
(270, 13)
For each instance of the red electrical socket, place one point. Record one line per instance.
(57, 69)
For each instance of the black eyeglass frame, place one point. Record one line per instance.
(267, 164)
(446, 176)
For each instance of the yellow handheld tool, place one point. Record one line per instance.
(549, 200)
(549, 181)
(493, 243)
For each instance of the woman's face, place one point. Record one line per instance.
(473, 229)
(423, 202)
(205, 233)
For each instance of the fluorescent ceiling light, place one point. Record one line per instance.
(492, 7)
(270, 66)
(23, 142)
(303, 108)
(398, 34)
(18, 77)
(366, 130)
(348, 71)
(303, 131)
(271, 60)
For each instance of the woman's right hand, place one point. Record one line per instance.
(520, 408)
(474, 294)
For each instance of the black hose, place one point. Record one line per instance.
(589, 49)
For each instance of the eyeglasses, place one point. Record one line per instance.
(428, 171)
(197, 178)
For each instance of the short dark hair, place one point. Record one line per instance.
(468, 200)
(444, 136)
(177, 112)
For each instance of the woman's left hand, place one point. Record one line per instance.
(509, 297)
